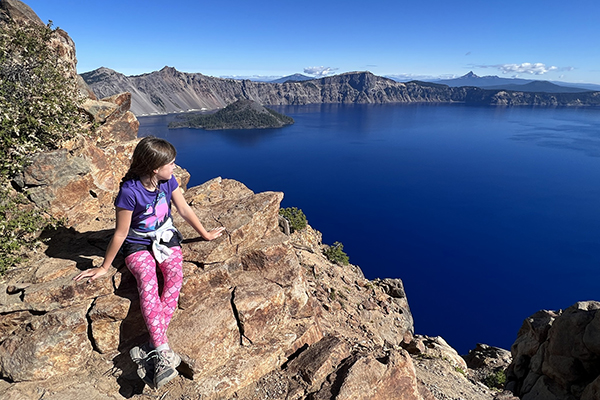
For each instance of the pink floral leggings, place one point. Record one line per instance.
(157, 310)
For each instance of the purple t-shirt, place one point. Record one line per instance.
(150, 209)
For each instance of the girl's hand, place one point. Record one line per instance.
(91, 274)
(215, 233)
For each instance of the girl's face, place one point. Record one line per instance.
(165, 172)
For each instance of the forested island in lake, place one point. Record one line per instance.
(243, 114)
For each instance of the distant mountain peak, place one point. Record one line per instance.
(470, 75)
(105, 69)
(367, 73)
(101, 74)
(166, 68)
(101, 70)
(293, 78)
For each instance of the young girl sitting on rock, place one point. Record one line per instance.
(145, 230)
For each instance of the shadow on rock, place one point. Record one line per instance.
(68, 244)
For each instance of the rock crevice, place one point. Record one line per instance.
(240, 323)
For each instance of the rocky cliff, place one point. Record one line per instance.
(169, 90)
(557, 355)
(262, 314)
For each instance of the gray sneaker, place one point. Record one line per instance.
(163, 370)
(145, 362)
(172, 357)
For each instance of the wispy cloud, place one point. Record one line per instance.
(526, 68)
(319, 71)
(416, 77)
(260, 78)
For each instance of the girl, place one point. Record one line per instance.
(145, 231)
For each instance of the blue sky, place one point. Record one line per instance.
(551, 40)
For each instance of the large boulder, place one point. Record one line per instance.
(556, 355)
(435, 347)
(47, 345)
(247, 218)
(17, 11)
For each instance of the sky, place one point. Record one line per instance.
(414, 39)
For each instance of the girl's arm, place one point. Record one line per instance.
(190, 217)
(121, 230)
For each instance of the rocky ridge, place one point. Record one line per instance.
(169, 91)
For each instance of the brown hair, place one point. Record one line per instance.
(150, 153)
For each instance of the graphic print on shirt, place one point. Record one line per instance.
(157, 213)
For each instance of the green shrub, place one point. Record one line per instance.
(335, 253)
(332, 295)
(38, 111)
(497, 380)
(20, 222)
(38, 97)
(295, 217)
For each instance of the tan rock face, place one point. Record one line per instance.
(556, 355)
(119, 129)
(435, 347)
(63, 292)
(80, 183)
(379, 378)
(15, 10)
(51, 344)
(485, 361)
(246, 220)
(99, 110)
(65, 48)
(107, 315)
(248, 297)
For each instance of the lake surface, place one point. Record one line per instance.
(487, 214)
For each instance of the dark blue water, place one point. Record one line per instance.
(487, 214)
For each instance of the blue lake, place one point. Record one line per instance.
(487, 214)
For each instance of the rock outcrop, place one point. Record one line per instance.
(256, 314)
(169, 90)
(81, 178)
(261, 315)
(557, 355)
(446, 375)
(19, 12)
(488, 364)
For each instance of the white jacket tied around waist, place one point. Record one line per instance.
(164, 233)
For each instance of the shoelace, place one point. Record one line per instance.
(159, 359)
